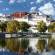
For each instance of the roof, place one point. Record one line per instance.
(19, 14)
(53, 21)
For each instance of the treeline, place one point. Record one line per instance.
(15, 26)
(42, 26)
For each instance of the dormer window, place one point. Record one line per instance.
(37, 13)
(29, 16)
(48, 16)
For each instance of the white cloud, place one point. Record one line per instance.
(11, 1)
(1, 14)
(31, 3)
(47, 9)
(39, 1)
(33, 9)
(1, 1)
(19, 1)
(5, 9)
(53, 0)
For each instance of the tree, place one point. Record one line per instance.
(13, 26)
(3, 26)
(41, 26)
(51, 27)
(24, 26)
(41, 45)
(0, 27)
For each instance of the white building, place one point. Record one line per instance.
(33, 18)
(22, 19)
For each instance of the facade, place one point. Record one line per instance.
(37, 18)
(20, 16)
(33, 18)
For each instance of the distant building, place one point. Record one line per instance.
(30, 18)
(20, 16)
(33, 18)
(5, 17)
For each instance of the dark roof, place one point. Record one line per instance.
(53, 21)
(8, 16)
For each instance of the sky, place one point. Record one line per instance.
(47, 7)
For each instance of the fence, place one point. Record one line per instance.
(26, 34)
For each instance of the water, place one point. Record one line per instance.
(49, 53)
(7, 53)
(13, 53)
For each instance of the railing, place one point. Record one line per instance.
(25, 34)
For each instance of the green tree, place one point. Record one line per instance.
(51, 27)
(41, 26)
(41, 45)
(3, 26)
(13, 26)
(24, 26)
(0, 27)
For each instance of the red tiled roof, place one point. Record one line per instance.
(19, 14)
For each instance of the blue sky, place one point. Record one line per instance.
(45, 6)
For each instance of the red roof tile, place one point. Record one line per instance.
(19, 14)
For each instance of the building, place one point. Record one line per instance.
(33, 18)
(20, 16)
(30, 18)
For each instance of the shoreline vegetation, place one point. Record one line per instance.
(15, 27)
